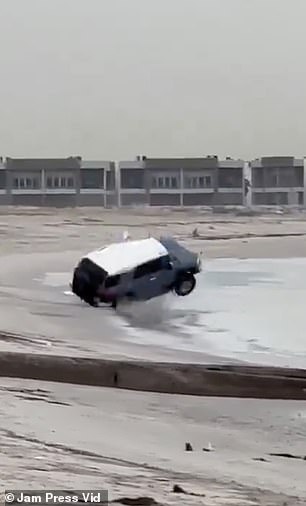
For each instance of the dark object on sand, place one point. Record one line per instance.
(135, 270)
(178, 490)
(288, 456)
(136, 501)
(188, 447)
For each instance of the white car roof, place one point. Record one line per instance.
(125, 256)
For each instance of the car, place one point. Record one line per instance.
(137, 270)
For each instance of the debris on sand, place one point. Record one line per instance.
(188, 447)
(177, 489)
(208, 448)
(136, 501)
(288, 456)
(195, 233)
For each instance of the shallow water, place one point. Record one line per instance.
(247, 310)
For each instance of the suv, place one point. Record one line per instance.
(135, 270)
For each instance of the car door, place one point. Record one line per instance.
(153, 278)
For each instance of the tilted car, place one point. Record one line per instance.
(137, 270)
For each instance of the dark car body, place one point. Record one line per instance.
(172, 268)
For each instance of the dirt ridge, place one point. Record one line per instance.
(257, 382)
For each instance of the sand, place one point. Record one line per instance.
(135, 442)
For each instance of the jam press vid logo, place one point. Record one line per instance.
(44, 497)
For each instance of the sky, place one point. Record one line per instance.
(112, 79)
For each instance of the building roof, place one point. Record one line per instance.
(43, 163)
(94, 164)
(125, 256)
(277, 162)
(231, 164)
(186, 163)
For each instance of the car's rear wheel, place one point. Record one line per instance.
(185, 284)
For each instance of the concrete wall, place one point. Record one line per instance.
(90, 199)
(26, 200)
(4, 199)
(131, 199)
(229, 198)
(165, 199)
(270, 198)
(58, 200)
(198, 199)
(111, 200)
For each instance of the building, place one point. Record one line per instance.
(59, 182)
(131, 183)
(278, 180)
(3, 182)
(42, 181)
(181, 182)
(97, 186)
(231, 182)
(206, 181)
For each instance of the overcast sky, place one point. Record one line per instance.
(110, 79)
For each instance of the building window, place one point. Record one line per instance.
(230, 177)
(2, 179)
(92, 178)
(258, 177)
(271, 177)
(299, 176)
(132, 178)
(55, 182)
(169, 182)
(26, 182)
(198, 182)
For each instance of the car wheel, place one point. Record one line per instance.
(185, 284)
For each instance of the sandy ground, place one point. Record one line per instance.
(82, 229)
(135, 442)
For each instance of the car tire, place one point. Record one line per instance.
(185, 284)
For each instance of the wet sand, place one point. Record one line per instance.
(134, 444)
(34, 318)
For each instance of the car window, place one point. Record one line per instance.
(153, 266)
(148, 268)
(112, 281)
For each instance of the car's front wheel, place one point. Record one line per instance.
(185, 284)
